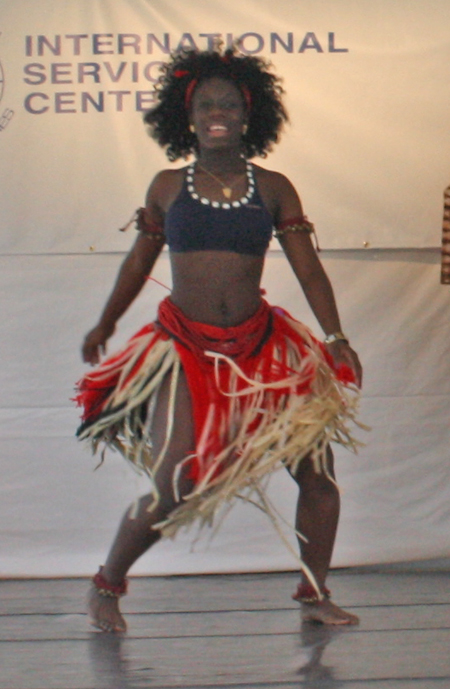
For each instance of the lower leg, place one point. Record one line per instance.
(134, 537)
(317, 520)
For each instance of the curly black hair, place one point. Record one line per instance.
(169, 120)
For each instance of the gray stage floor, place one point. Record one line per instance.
(230, 631)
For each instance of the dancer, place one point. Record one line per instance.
(221, 389)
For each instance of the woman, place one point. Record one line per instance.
(221, 389)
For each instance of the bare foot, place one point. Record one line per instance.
(104, 612)
(326, 612)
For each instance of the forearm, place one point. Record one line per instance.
(130, 280)
(320, 296)
(311, 275)
(313, 279)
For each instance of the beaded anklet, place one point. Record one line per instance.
(307, 594)
(105, 589)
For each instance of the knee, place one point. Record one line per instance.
(321, 498)
(162, 507)
(168, 497)
(320, 485)
(316, 485)
(150, 509)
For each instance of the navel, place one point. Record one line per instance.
(223, 308)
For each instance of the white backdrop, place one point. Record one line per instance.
(58, 515)
(367, 91)
(368, 148)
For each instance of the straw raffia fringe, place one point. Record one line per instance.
(296, 427)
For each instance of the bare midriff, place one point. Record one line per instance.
(220, 288)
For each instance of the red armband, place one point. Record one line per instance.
(152, 230)
(299, 223)
(284, 224)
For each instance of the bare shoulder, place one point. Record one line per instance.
(164, 188)
(278, 193)
(263, 175)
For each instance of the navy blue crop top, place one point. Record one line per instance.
(194, 223)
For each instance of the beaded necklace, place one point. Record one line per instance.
(217, 204)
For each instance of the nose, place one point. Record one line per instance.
(216, 109)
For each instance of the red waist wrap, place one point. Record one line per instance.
(238, 377)
(259, 346)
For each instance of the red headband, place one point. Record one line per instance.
(190, 92)
(247, 96)
(193, 83)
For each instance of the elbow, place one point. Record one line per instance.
(313, 279)
(134, 268)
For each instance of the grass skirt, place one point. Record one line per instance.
(265, 394)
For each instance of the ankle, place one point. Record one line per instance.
(104, 587)
(307, 593)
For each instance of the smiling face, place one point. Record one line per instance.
(217, 113)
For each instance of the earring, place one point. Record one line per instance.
(192, 128)
(244, 129)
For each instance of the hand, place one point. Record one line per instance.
(94, 344)
(342, 353)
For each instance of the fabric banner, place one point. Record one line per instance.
(368, 149)
(59, 515)
(368, 145)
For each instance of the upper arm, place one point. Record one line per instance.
(286, 201)
(297, 245)
(150, 224)
(143, 254)
(150, 221)
(161, 193)
(154, 200)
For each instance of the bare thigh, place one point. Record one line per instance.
(181, 443)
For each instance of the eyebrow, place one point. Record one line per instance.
(227, 97)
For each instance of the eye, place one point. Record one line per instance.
(204, 105)
(229, 104)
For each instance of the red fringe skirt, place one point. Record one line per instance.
(265, 394)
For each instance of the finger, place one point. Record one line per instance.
(86, 353)
(90, 355)
(357, 370)
(360, 376)
(351, 358)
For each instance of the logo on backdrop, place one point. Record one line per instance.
(113, 72)
(6, 114)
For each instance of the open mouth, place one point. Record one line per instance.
(217, 130)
